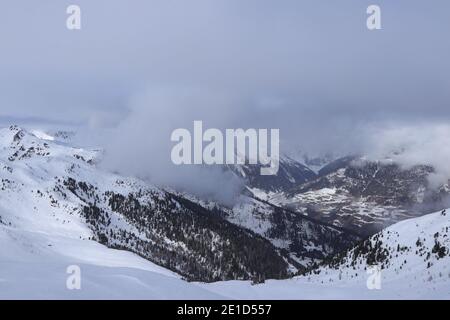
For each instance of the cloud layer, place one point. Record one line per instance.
(309, 68)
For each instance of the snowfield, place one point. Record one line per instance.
(41, 236)
(412, 270)
(31, 269)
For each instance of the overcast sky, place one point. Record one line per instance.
(310, 68)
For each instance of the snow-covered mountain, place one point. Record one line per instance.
(50, 186)
(315, 162)
(408, 260)
(412, 256)
(135, 240)
(47, 186)
(305, 240)
(364, 196)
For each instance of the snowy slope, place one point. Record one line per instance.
(38, 272)
(50, 186)
(413, 256)
(41, 234)
(33, 265)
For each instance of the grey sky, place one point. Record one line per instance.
(310, 68)
(313, 57)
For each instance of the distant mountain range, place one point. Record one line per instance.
(354, 193)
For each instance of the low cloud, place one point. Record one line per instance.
(140, 145)
(412, 144)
